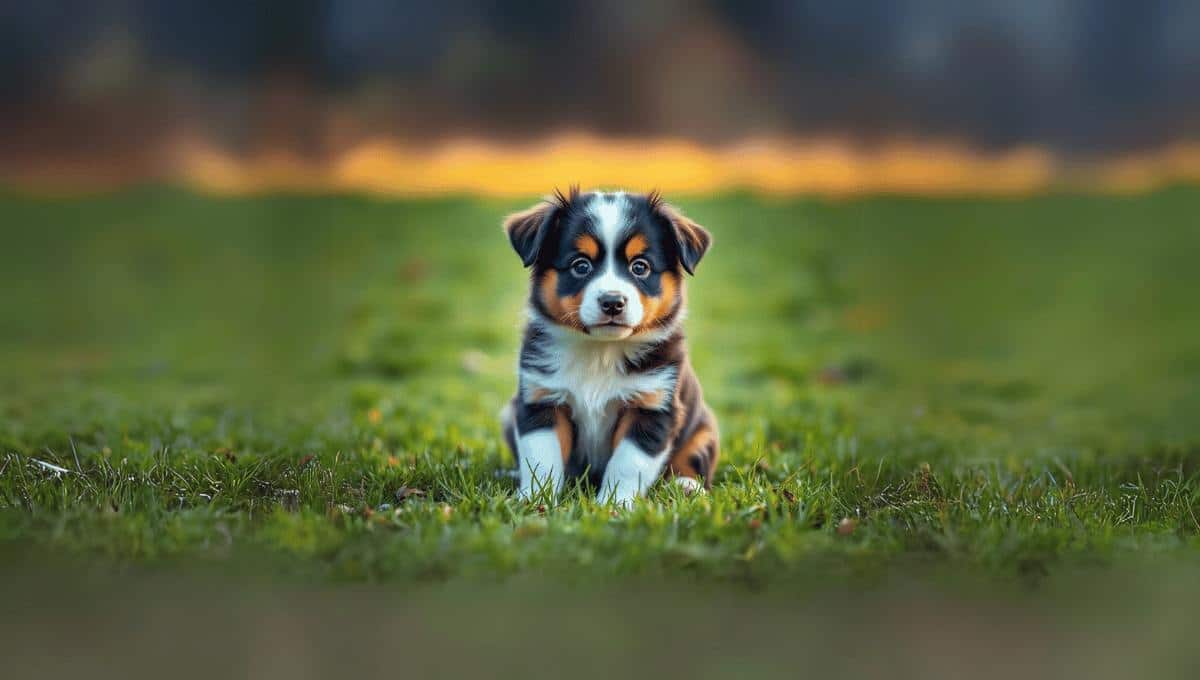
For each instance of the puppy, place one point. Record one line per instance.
(605, 388)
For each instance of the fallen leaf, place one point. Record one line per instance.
(408, 492)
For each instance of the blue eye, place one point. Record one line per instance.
(639, 268)
(581, 267)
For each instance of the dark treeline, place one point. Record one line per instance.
(1079, 76)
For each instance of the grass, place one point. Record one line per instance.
(1000, 388)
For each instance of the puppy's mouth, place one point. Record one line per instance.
(610, 329)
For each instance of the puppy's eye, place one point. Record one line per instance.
(639, 268)
(581, 267)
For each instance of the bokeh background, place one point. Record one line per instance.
(257, 317)
(398, 97)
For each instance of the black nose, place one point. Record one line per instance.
(612, 304)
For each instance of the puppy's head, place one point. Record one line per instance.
(608, 265)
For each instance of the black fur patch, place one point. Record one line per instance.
(533, 417)
(651, 430)
(666, 353)
(533, 351)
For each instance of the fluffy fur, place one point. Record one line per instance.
(605, 387)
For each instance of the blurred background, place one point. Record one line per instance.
(510, 97)
(257, 317)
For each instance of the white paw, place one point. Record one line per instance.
(689, 485)
(619, 496)
(629, 473)
(541, 465)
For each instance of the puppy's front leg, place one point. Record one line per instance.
(639, 454)
(544, 439)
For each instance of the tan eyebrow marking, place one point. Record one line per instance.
(636, 246)
(587, 245)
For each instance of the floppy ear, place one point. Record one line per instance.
(691, 239)
(527, 229)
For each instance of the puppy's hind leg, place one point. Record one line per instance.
(693, 462)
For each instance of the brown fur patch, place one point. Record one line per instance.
(656, 307)
(680, 464)
(564, 431)
(635, 246)
(587, 245)
(539, 394)
(565, 310)
(651, 401)
(624, 422)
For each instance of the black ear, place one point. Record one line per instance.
(527, 229)
(691, 239)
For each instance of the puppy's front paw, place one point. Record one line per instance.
(689, 485)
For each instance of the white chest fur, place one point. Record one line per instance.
(590, 376)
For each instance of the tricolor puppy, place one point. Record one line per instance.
(604, 383)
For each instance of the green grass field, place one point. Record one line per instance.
(304, 390)
(995, 387)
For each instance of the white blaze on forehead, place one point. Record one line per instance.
(610, 217)
(609, 213)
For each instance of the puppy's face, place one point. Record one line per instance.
(608, 265)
